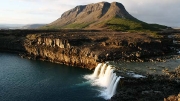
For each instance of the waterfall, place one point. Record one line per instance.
(109, 88)
(96, 72)
(102, 71)
(105, 77)
(115, 86)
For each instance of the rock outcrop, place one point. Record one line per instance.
(151, 88)
(84, 48)
(11, 41)
(173, 98)
(59, 50)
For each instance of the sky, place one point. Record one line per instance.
(165, 12)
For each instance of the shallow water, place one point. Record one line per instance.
(148, 67)
(29, 80)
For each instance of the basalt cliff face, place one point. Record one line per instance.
(12, 41)
(85, 49)
(59, 50)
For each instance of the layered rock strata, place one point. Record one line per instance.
(86, 48)
(59, 50)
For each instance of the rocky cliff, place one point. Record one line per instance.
(12, 41)
(86, 48)
(59, 50)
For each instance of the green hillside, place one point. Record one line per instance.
(126, 25)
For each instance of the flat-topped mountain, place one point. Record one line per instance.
(102, 15)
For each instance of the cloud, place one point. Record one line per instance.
(162, 12)
(152, 11)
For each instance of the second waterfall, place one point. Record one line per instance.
(105, 77)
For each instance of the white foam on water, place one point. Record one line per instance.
(135, 75)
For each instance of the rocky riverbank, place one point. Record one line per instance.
(151, 88)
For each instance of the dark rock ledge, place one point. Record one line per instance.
(151, 88)
(86, 48)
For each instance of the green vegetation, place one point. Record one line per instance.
(69, 26)
(76, 26)
(119, 24)
(123, 24)
(136, 25)
(49, 27)
(155, 35)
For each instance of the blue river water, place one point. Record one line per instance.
(30, 80)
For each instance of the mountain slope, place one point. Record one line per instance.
(101, 15)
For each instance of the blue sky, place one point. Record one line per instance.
(165, 12)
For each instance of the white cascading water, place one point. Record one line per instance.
(96, 72)
(105, 77)
(109, 89)
(102, 71)
(115, 86)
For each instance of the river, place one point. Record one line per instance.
(33, 80)
(30, 80)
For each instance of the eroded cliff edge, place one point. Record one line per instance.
(55, 48)
(86, 48)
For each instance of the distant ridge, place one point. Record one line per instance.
(10, 26)
(102, 15)
(32, 26)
